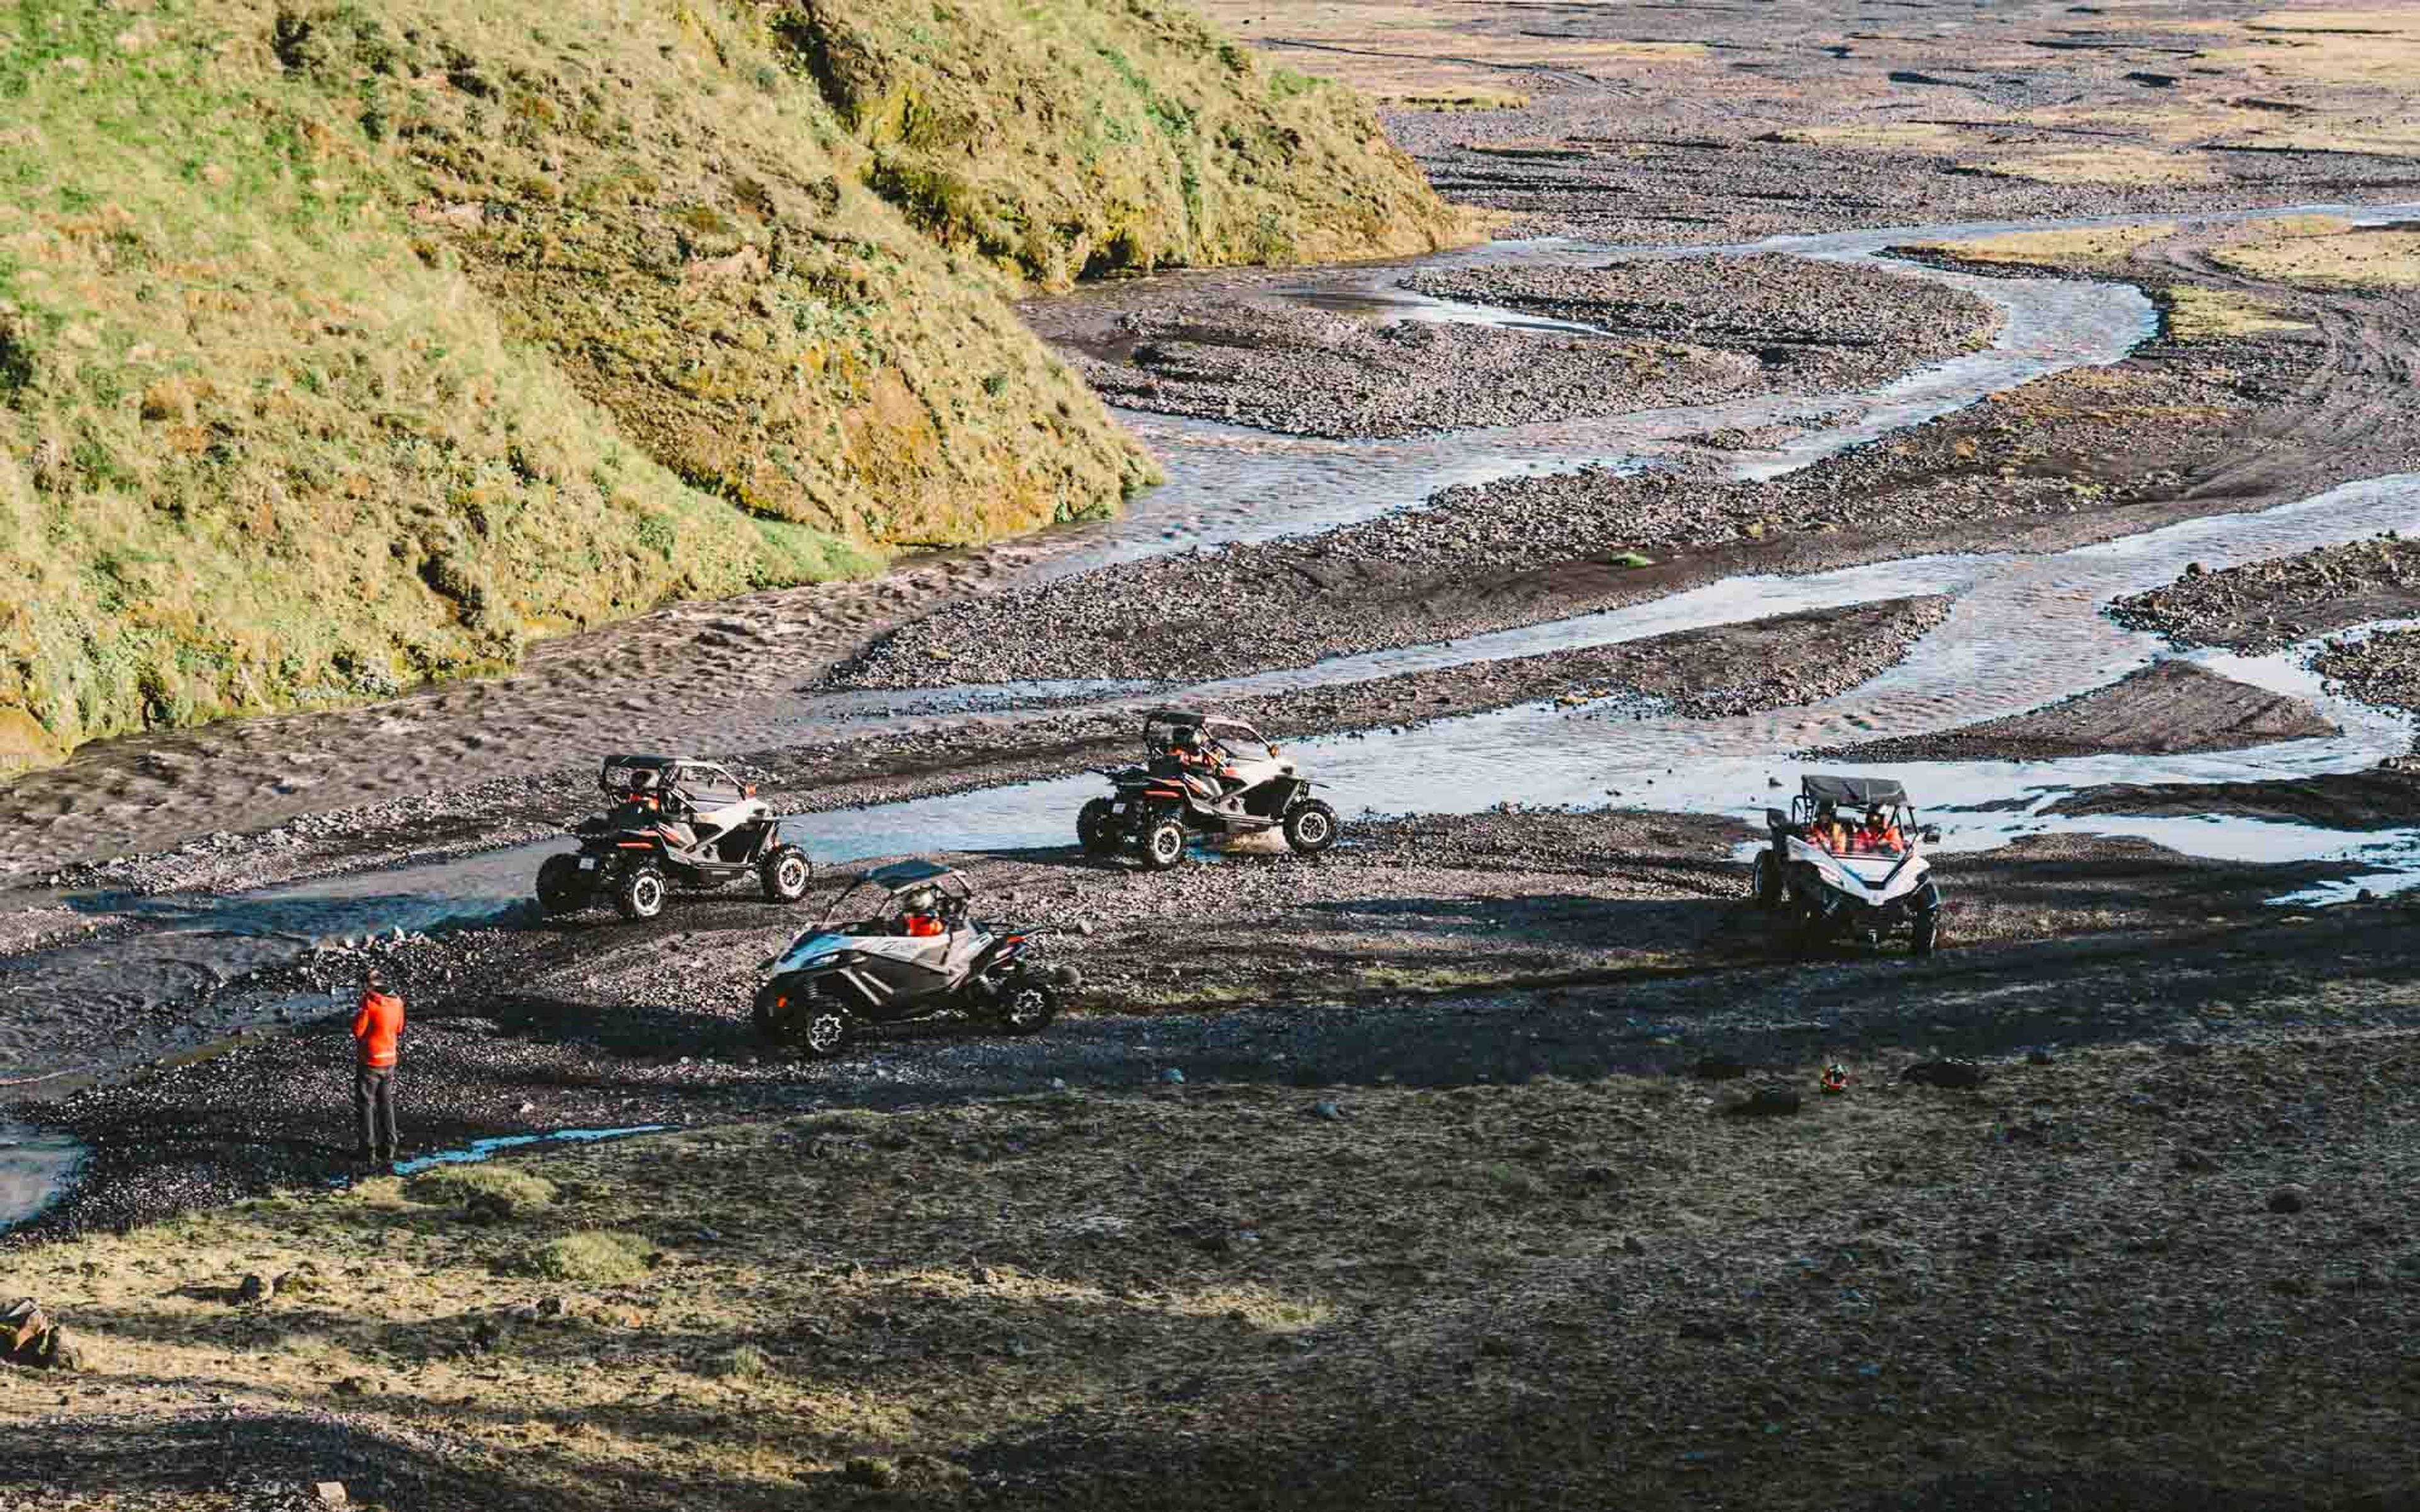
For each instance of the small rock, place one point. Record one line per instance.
(981, 1276)
(1327, 1110)
(870, 1470)
(1765, 1102)
(329, 1493)
(352, 1386)
(1958, 1075)
(2190, 1159)
(2289, 1198)
(1172, 1077)
(2038, 1056)
(1631, 1245)
(253, 1289)
(1719, 1068)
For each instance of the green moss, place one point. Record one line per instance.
(348, 346)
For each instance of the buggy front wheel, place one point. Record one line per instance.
(640, 893)
(1764, 881)
(1309, 828)
(785, 875)
(1027, 1007)
(1927, 935)
(1161, 843)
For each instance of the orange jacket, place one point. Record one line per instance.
(378, 1026)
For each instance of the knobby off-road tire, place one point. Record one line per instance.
(785, 875)
(1927, 935)
(815, 1026)
(1764, 881)
(1027, 1007)
(1093, 827)
(640, 893)
(1161, 843)
(1309, 828)
(560, 889)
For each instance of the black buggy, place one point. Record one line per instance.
(672, 820)
(1202, 773)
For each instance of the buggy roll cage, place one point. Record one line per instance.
(1817, 793)
(902, 877)
(625, 777)
(1227, 731)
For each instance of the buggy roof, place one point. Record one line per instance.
(902, 874)
(1853, 789)
(652, 763)
(1201, 716)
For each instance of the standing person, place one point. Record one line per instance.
(376, 1026)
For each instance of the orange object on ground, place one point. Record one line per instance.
(378, 1026)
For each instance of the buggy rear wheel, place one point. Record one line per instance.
(1027, 1007)
(1093, 827)
(1309, 828)
(560, 889)
(1161, 843)
(785, 875)
(640, 893)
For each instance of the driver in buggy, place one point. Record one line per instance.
(1195, 752)
(1877, 835)
(1827, 830)
(920, 916)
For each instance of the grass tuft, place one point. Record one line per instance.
(591, 1256)
(484, 1191)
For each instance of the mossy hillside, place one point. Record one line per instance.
(1082, 138)
(665, 208)
(278, 293)
(261, 447)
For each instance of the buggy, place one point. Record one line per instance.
(914, 954)
(1861, 878)
(672, 820)
(1202, 773)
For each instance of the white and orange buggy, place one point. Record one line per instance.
(1847, 863)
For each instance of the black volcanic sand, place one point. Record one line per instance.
(1682, 332)
(1431, 950)
(2166, 709)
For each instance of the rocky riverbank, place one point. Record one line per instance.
(2266, 606)
(1662, 334)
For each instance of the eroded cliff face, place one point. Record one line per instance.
(346, 348)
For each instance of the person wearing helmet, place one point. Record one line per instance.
(1827, 830)
(1877, 834)
(918, 914)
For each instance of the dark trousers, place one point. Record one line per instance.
(374, 1110)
